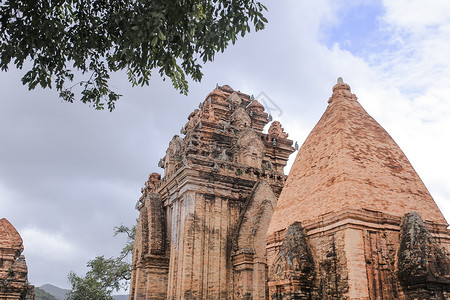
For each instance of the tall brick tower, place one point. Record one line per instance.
(354, 220)
(202, 227)
(13, 268)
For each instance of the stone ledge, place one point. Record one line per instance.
(359, 219)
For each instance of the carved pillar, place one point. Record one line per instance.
(157, 268)
(249, 255)
(243, 270)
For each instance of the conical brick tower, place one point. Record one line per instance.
(344, 226)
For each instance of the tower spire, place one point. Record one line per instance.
(342, 91)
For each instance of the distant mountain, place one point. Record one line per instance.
(57, 292)
(60, 293)
(42, 295)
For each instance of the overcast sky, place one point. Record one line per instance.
(69, 174)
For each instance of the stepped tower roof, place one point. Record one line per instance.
(9, 237)
(349, 161)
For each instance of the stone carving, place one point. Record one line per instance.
(276, 131)
(267, 165)
(174, 154)
(423, 266)
(223, 155)
(250, 149)
(291, 275)
(225, 125)
(234, 100)
(153, 180)
(161, 163)
(240, 118)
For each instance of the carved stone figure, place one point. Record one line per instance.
(250, 149)
(223, 155)
(174, 154)
(240, 118)
(292, 272)
(234, 100)
(423, 265)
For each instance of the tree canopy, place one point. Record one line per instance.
(105, 274)
(78, 43)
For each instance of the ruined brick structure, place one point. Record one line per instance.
(354, 220)
(201, 232)
(13, 268)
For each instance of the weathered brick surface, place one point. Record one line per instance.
(201, 230)
(352, 162)
(349, 187)
(423, 266)
(204, 223)
(292, 273)
(249, 247)
(13, 268)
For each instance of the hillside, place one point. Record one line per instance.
(43, 295)
(59, 294)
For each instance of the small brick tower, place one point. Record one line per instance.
(202, 227)
(13, 268)
(354, 220)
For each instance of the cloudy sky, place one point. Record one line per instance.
(69, 174)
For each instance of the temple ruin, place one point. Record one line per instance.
(13, 268)
(202, 227)
(352, 221)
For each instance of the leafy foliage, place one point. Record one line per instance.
(92, 38)
(131, 234)
(87, 288)
(105, 274)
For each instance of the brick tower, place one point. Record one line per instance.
(354, 220)
(13, 268)
(202, 227)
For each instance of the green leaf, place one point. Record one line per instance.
(161, 35)
(95, 38)
(154, 41)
